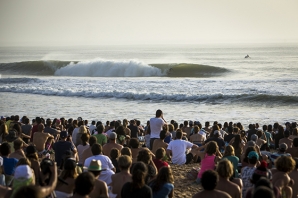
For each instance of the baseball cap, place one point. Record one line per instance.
(113, 136)
(283, 146)
(63, 134)
(253, 154)
(254, 137)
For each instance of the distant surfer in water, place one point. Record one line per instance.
(247, 56)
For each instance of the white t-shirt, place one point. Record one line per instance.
(1, 161)
(178, 148)
(156, 127)
(91, 128)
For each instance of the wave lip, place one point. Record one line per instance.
(109, 68)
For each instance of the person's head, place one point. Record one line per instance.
(265, 127)
(158, 113)
(95, 167)
(263, 191)
(139, 173)
(100, 128)
(96, 149)
(259, 134)
(124, 162)
(31, 152)
(82, 129)
(280, 130)
(209, 180)
(196, 129)
(85, 138)
(113, 136)
(84, 184)
(185, 123)
(260, 172)
(17, 144)
(23, 176)
(225, 168)
(211, 148)
(285, 164)
(162, 135)
(5, 149)
(270, 128)
(229, 151)
(114, 153)
(64, 135)
(287, 134)
(144, 156)
(134, 143)
(171, 127)
(254, 137)
(236, 130)
(207, 124)
(253, 157)
(92, 140)
(30, 191)
(126, 151)
(160, 153)
(283, 147)
(26, 121)
(165, 175)
(179, 134)
(40, 128)
(69, 169)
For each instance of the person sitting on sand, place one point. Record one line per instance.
(137, 187)
(294, 150)
(106, 149)
(294, 176)
(229, 154)
(209, 182)
(124, 176)
(163, 186)
(247, 171)
(286, 139)
(160, 142)
(216, 137)
(281, 179)
(101, 138)
(209, 158)
(146, 157)
(100, 187)
(134, 144)
(225, 171)
(186, 128)
(40, 138)
(177, 148)
(158, 161)
(197, 138)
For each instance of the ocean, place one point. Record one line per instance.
(187, 82)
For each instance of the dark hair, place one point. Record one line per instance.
(248, 149)
(84, 183)
(295, 142)
(126, 151)
(179, 134)
(124, 162)
(92, 140)
(100, 128)
(160, 153)
(211, 148)
(263, 191)
(114, 153)
(236, 142)
(85, 138)
(230, 129)
(139, 173)
(209, 180)
(158, 113)
(96, 149)
(30, 191)
(5, 149)
(144, 156)
(162, 135)
(134, 143)
(17, 144)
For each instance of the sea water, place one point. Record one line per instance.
(204, 83)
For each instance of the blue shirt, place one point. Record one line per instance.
(164, 191)
(9, 165)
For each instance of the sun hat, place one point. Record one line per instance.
(252, 154)
(23, 172)
(95, 165)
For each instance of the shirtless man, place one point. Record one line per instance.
(225, 171)
(160, 142)
(40, 138)
(209, 181)
(119, 179)
(286, 139)
(100, 188)
(18, 151)
(197, 138)
(112, 144)
(186, 128)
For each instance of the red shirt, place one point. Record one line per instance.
(158, 163)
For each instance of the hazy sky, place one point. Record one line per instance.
(72, 22)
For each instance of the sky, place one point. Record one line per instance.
(140, 22)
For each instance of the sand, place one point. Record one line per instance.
(183, 186)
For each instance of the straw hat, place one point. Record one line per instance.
(95, 165)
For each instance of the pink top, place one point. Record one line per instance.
(207, 164)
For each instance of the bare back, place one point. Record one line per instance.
(109, 146)
(118, 180)
(212, 193)
(100, 190)
(229, 187)
(157, 144)
(39, 139)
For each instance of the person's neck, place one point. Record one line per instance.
(125, 171)
(223, 179)
(112, 141)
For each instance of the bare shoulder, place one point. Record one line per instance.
(222, 194)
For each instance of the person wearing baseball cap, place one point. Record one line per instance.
(106, 149)
(283, 147)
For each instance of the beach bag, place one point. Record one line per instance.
(193, 173)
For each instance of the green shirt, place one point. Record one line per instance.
(101, 139)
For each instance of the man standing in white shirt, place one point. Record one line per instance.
(177, 149)
(156, 125)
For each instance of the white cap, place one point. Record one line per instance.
(23, 172)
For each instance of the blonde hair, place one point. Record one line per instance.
(83, 129)
(225, 168)
(285, 164)
(229, 151)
